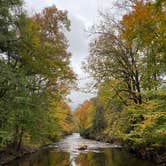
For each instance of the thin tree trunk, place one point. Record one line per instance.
(15, 139)
(20, 139)
(137, 84)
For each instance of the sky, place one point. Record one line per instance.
(82, 14)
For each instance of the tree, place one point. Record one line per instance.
(130, 50)
(148, 36)
(35, 73)
(9, 14)
(63, 117)
(111, 58)
(98, 117)
(82, 116)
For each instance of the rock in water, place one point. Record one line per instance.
(83, 147)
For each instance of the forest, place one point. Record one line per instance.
(35, 76)
(127, 62)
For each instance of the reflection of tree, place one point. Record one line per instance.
(47, 158)
(82, 160)
(106, 157)
(91, 159)
(109, 157)
(119, 157)
(59, 159)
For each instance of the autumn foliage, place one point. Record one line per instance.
(127, 61)
(35, 76)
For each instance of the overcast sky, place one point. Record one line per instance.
(83, 14)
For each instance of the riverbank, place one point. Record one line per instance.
(66, 152)
(154, 154)
(8, 155)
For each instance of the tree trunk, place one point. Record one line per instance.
(137, 84)
(15, 139)
(20, 139)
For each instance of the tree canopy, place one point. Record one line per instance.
(35, 75)
(127, 62)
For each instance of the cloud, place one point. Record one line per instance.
(77, 38)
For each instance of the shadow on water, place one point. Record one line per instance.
(66, 153)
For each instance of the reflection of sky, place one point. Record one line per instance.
(72, 143)
(83, 14)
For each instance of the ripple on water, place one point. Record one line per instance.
(71, 144)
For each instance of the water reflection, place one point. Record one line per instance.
(45, 158)
(110, 157)
(66, 153)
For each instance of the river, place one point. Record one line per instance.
(66, 153)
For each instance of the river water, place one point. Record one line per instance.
(66, 153)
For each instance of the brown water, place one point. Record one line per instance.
(66, 153)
